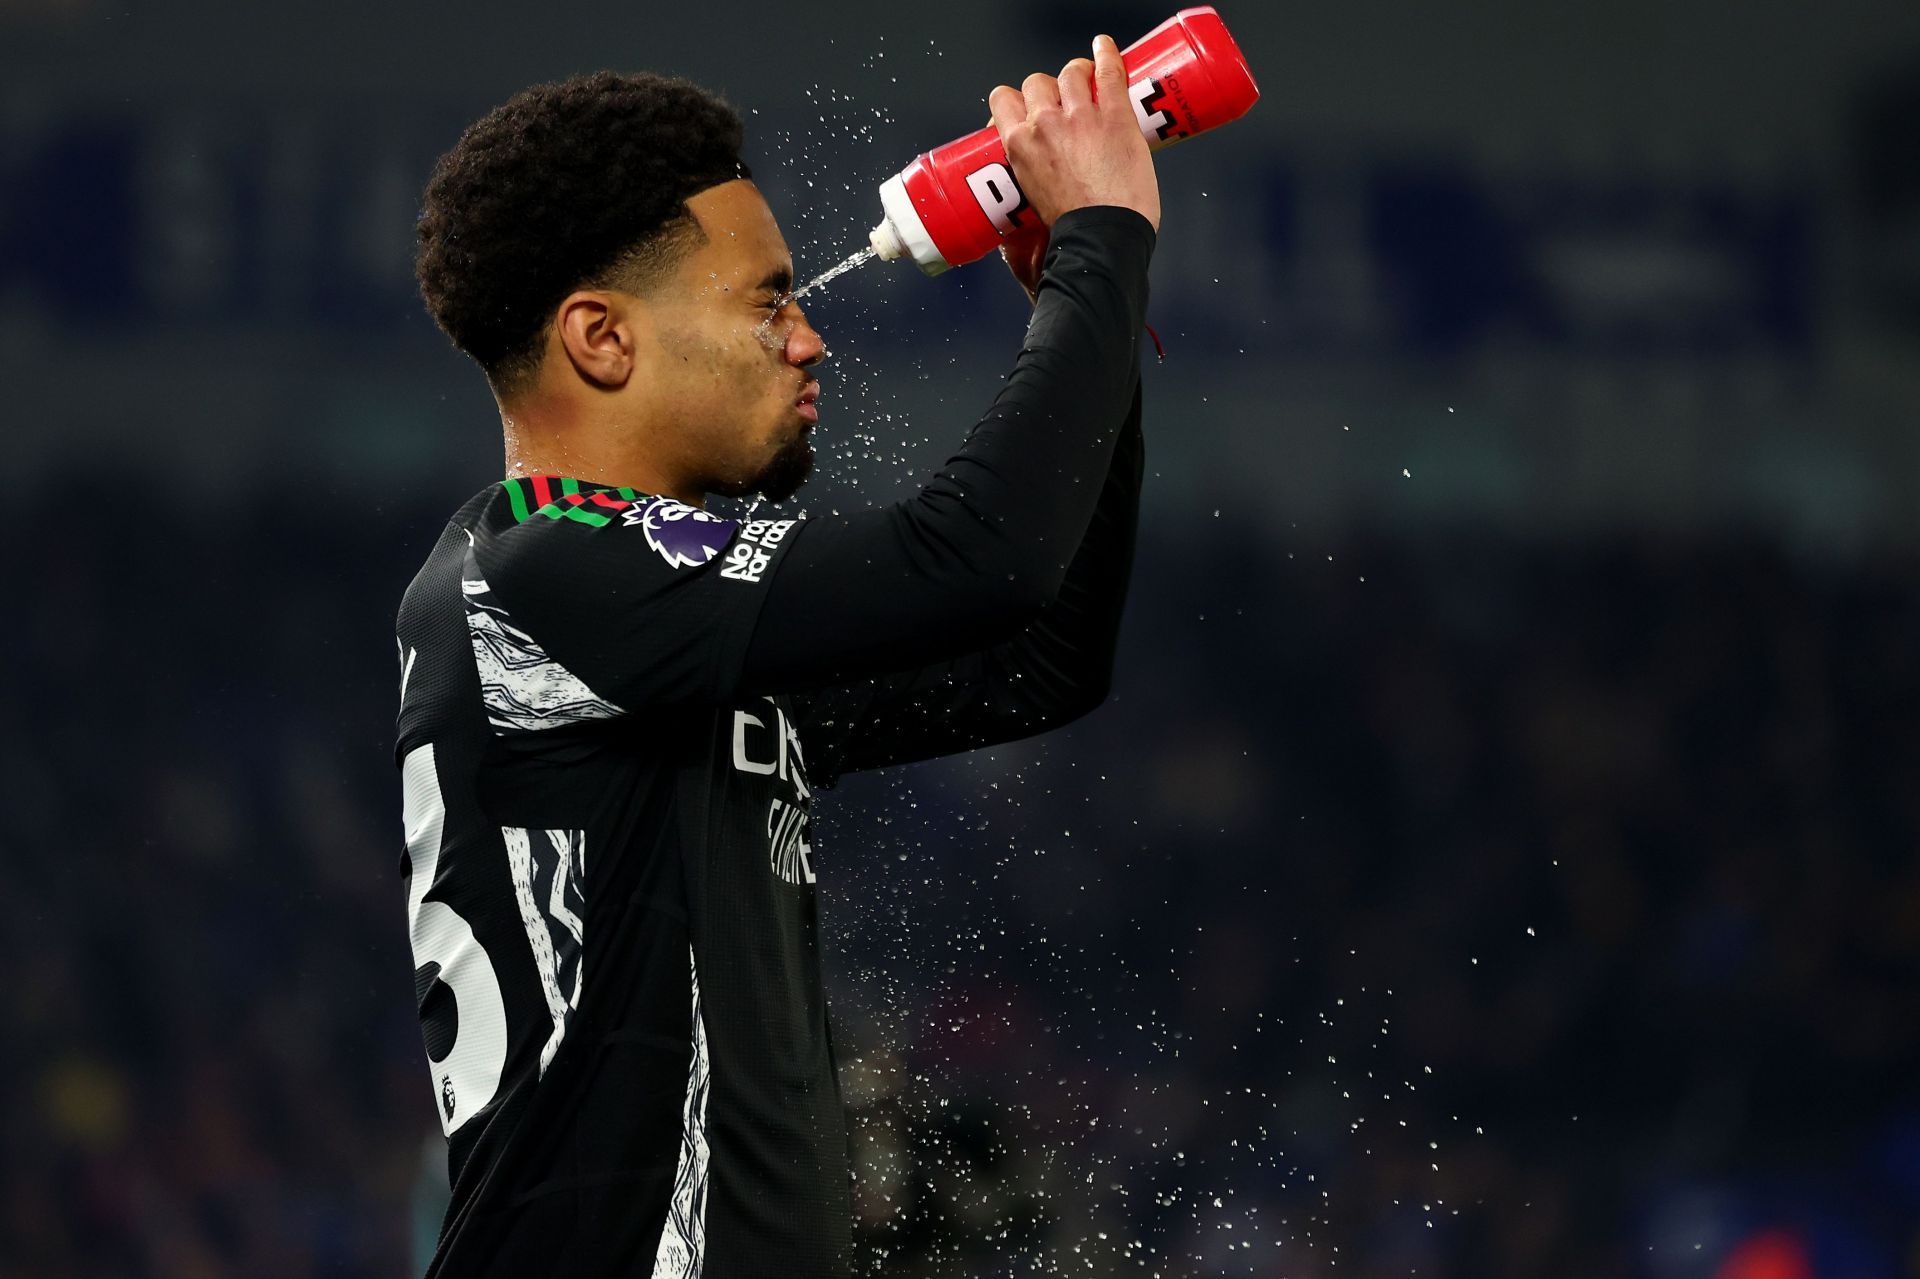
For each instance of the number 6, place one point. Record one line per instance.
(466, 1030)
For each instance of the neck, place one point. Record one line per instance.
(537, 444)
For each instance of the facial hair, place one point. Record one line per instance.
(787, 471)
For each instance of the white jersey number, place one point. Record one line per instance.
(467, 1073)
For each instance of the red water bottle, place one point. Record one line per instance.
(954, 204)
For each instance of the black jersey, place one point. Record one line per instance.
(610, 703)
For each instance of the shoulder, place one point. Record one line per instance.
(538, 522)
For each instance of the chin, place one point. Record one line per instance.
(787, 471)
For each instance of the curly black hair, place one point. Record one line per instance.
(579, 183)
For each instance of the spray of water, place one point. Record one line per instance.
(765, 326)
(835, 272)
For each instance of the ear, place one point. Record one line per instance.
(600, 331)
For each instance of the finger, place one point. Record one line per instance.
(1008, 107)
(1109, 72)
(1041, 91)
(1076, 84)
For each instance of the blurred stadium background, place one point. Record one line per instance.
(1499, 859)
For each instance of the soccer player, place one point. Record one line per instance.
(615, 707)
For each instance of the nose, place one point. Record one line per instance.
(805, 347)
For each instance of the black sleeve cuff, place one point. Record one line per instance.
(1127, 230)
(1106, 240)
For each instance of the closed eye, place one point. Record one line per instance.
(779, 282)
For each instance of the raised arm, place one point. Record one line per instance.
(985, 546)
(1057, 669)
(665, 604)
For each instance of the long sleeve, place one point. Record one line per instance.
(972, 559)
(644, 601)
(1057, 669)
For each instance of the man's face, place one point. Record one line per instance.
(736, 348)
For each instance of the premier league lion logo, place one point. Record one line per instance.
(685, 536)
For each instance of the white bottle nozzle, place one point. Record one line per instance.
(886, 242)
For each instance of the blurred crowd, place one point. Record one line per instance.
(1441, 906)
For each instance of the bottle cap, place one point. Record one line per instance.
(886, 242)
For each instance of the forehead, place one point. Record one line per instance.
(743, 240)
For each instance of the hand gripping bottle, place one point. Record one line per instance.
(954, 204)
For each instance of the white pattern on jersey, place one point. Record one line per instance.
(683, 1240)
(555, 933)
(522, 687)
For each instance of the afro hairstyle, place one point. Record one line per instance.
(582, 183)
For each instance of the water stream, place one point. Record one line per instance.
(834, 272)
